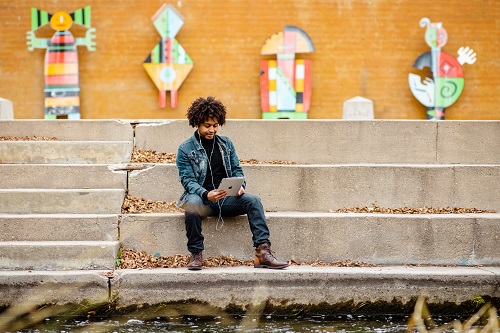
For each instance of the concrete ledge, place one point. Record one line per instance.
(65, 152)
(468, 142)
(324, 187)
(72, 201)
(61, 176)
(63, 255)
(309, 141)
(343, 141)
(386, 239)
(70, 130)
(59, 227)
(28, 290)
(246, 287)
(243, 287)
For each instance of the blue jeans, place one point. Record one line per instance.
(196, 209)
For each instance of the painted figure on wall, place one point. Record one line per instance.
(286, 83)
(447, 82)
(168, 64)
(62, 84)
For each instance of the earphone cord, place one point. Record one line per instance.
(220, 219)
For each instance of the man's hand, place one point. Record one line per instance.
(216, 195)
(241, 191)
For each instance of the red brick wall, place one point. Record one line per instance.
(363, 48)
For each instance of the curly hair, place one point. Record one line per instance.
(204, 108)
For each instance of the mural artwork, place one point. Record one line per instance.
(286, 83)
(168, 64)
(447, 82)
(62, 87)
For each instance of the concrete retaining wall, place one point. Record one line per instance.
(304, 286)
(386, 239)
(61, 176)
(58, 256)
(58, 227)
(341, 141)
(325, 187)
(72, 201)
(70, 130)
(28, 291)
(318, 289)
(63, 152)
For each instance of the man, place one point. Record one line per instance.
(203, 160)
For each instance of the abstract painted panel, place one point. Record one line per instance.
(168, 63)
(285, 83)
(62, 84)
(447, 82)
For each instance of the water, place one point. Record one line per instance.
(269, 323)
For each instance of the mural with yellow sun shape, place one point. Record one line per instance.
(61, 77)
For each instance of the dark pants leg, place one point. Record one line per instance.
(250, 205)
(196, 209)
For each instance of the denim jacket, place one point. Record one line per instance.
(192, 163)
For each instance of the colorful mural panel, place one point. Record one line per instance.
(62, 84)
(447, 82)
(286, 83)
(168, 64)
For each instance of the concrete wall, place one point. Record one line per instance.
(339, 141)
(385, 239)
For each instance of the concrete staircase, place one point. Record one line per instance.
(341, 164)
(60, 201)
(60, 215)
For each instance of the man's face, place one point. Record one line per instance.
(208, 128)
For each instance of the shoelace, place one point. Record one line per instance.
(271, 253)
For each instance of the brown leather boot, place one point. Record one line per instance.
(264, 258)
(195, 261)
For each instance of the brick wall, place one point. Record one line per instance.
(363, 48)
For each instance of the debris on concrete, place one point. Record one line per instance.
(28, 138)
(135, 205)
(153, 156)
(133, 259)
(410, 210)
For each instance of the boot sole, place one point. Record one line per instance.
(270, 267)
(194, 268)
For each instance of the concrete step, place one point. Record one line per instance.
(360, 290)
(386, 239)
(69, 130)
(343, 141)
(61, 255)
(325, 187)
(65, 152)
(31, 289)
(325, 289)
(59, 227)
(69, 201)
(62, 176)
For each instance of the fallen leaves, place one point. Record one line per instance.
(137, 205)
(28, 138)
(254, 161)
(153, 156)
(133, 259)
(410, 210)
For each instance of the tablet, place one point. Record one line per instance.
(231, 185)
